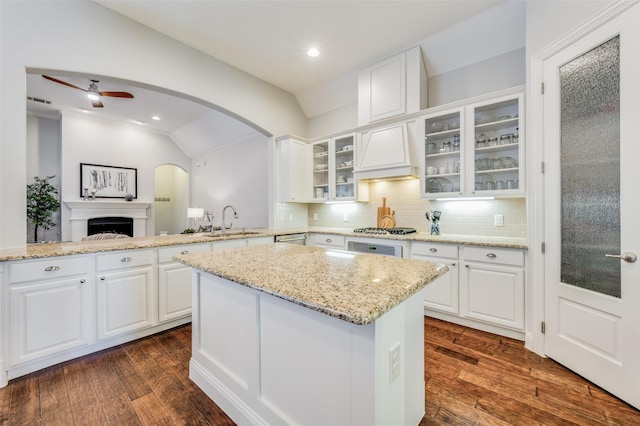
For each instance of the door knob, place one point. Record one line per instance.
(627, 256)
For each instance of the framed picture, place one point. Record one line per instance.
(108, 181)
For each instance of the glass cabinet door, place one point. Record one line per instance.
(443, 148)
(321, 170)
(343, 160)
(497, 150)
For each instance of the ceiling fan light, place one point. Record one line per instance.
(93, 96)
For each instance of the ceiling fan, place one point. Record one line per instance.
(92, 92)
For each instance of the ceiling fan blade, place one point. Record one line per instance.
(63, 82)
(97, 104)
(117, 94)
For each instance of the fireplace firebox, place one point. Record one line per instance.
(115, 225)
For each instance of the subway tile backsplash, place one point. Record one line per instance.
(458, 217)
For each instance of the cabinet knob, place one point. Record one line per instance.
(101, 278)
(126, 259)
(491, 255)
(328, 240)
(453, 264)
(82, 281)
(184, 252)
(466, 266)
(52, 268)
(433, 249)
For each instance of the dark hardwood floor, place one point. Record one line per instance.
(472, 378)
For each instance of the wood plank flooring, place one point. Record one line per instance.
(472, 378)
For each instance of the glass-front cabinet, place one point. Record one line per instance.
(444, 154)
(475, 150)
(498, 154)
(333, 177)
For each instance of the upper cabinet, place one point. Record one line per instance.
(475, 150)
(294, 170)
(392, 88)
(333, 165)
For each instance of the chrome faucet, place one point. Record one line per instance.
(235, 216)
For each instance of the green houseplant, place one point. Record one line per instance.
(41, 203)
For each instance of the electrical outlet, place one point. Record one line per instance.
(346, 217)
(498, 220)
(315, 216)
(394, 363)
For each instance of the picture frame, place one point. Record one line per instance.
(108, 181)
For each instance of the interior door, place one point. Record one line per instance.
(592, 202)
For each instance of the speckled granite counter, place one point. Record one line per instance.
(34, 251)
(355, 288)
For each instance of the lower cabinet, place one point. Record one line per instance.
(484, 287)
(174, 282)
(125, 292)
(492, 282)
(51, 312)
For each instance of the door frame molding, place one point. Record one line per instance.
(534, 338)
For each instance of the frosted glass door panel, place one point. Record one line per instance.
(590, 171)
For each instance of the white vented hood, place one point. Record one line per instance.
(385, 153)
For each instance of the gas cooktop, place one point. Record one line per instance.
(385, 231)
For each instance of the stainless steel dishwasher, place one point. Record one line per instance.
(297, 238)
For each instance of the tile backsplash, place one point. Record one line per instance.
(458, 217)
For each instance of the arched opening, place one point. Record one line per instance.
(171, 199)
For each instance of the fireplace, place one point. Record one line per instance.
(80, 212)
(114, 225)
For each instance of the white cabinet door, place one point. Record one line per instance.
(47, 318)
(174, 291)
(441, 294)
(294, 168)
(125, 301)
(493, 293)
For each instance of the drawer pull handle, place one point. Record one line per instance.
(126, 259)
(184, 252)
(491, 255)
(82, 281)
(433, 249)
(328, 240)
(52, 268)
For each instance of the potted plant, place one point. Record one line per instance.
(41, 203)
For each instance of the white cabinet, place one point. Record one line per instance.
(492, 286)
(327, 241)
(475, 149)
(49, 307)
(294, 166)
(441, 294)
(125, 292)
(174, 282)
(391, 88)
(333, 165)
(497, 159)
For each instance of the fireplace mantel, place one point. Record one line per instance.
(81, 211)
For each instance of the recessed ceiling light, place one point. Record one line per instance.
(313, 52)
(139, 122)
(156, 118)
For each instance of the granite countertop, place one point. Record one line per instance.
(35, 251)
(358, 288)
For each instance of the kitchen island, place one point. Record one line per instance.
(287, 334)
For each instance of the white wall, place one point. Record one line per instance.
(84, 37)
(235, 174)
(113, 144)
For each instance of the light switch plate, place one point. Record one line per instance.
(498, 220)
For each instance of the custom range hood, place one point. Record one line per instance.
(385, 154)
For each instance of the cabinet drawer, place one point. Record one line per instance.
(329, 240)
(54, 267)
(434, 250)
(124, 259)
(166, 254)
(494, 255)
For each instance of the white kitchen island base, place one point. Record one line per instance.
(268, 361)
